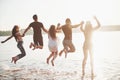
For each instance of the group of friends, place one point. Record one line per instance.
(37, 43)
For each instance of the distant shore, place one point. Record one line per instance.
(103, 28)
(7, 33)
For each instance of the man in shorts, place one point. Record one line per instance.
(37, 36)
(67, 41)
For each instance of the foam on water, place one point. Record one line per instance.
(4, 67)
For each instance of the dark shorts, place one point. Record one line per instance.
(38, 41)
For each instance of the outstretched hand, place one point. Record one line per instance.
(82, 22)
(23, 35)
(58, 25)
(97, 21)
(2, 41)
(95, 17)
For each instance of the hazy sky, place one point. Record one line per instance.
(49, 12)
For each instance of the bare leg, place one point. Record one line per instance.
(36, 47)
(49, 57)
(71, 47)
(54, 57)
(84, 61)
(92, 77)
(65, 53)
(33, 45)
(91, 62)
(82, 77)
(61, 52)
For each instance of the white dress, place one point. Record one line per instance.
(52, 44)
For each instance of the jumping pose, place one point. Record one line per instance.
(52, 44)
(67, 41)
(37, 36)
(18, 37)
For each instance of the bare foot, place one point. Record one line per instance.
(65, 53)
(40, 47)
(14, 59)
(92, 76)
(82, 77)
(34, 48)
(31, 45)
(47, 61)
(61, 52)
(83, 73)
(52, 63)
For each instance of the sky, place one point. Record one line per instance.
(20, 12)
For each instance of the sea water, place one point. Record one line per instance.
(34, 67)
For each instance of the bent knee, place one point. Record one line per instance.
(73, 50)
(24, 54)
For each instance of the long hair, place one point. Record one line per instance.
(14, 31)
(52, 32)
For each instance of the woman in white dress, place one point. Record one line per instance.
(52, 44)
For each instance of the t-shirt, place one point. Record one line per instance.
(36, 28)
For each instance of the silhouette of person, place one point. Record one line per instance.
(37, 36)
(18, 37)
(88, 47)
(67, 41)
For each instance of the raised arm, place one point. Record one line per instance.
(59, 27)
(81, 28)
(98, 23)
(58, 30)
(6, 39)
(77, 25)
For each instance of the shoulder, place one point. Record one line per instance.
(31, 23)
(40, 23)
(63, 26)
